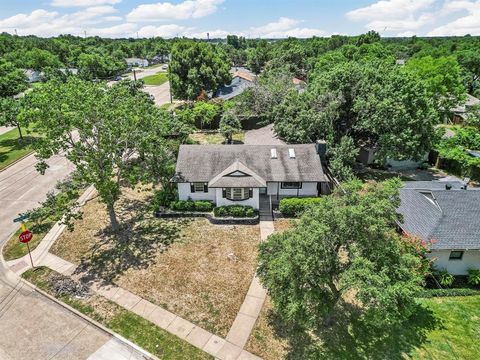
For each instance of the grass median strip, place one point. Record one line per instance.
(13, 148)
(156, 79)
(129, 325)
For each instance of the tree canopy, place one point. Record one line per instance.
(344, 256)
(197, 67)
(113, 135)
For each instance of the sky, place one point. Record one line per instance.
(249, 18)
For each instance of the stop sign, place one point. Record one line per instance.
(25, 236)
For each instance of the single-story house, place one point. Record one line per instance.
(131, 62)
(242, 78)
(446, 213)
(460, 113)
(250, 175)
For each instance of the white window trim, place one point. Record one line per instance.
(199, 186)
(244, 194)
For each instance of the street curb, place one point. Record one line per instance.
(18, 160)
(10, 273)
(91, 321)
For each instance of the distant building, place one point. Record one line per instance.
(242, 79)
(33, 75)
(69, 71)
(131, 62)
(460, 113)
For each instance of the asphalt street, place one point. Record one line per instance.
(31, 325)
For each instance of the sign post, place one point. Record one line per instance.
(25, 238)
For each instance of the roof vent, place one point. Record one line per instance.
(448, 186)
(273, 153)
(291, 153)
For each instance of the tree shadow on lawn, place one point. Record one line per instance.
(134, 246)
(14, 145)
(354, 340)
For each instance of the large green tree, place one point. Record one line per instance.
(196, 68)
(344, 254)
(442, 77)
(12, 79)
(108, 133)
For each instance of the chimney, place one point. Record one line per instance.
(321, 146)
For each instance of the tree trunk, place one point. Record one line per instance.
(113, 217)
(20, 132)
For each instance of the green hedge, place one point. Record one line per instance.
(292, 207)
(237, 211)
(429, 293)
(190, 205)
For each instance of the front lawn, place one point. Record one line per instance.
(156, 79)
(13, 148)
(192, 268)
(215, 138)
(131, 326)
(442, 328)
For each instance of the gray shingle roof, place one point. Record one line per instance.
(449, 217)
(237, 175)
(201, 163)
(236, 87)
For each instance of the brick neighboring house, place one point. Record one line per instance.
(449, 214)
(250, 175)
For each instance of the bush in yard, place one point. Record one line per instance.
(296, 206)
(163, 197)
(445, 278)
(190, 205)
(474, 277)
(429, 293)
(237, 211)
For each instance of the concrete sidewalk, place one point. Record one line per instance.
(252, 305)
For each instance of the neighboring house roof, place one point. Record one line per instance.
(243, 73)
(212, 163)
(235, 88)
(471, 101)
(449, 217)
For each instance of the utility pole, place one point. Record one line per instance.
(134, 75)
(85, 34)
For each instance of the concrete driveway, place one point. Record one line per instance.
(160, 93)
(31, 325)
(263, 136)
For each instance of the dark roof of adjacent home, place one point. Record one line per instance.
(235, 88)
(248, 165)
(448, 217)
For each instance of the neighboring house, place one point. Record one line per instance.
(448, 214)
(460, 113)
(248, 174)
(367, 156)
(33, 75)
(69, 71)
(242, 79)
(131, 62)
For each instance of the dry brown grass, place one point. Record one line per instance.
(197, 270)
(203, 278)
(284, 224)
(263, 340)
